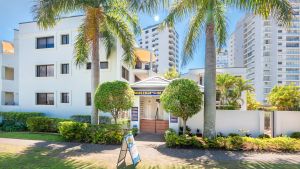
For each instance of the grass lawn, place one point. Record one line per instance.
(32, 136)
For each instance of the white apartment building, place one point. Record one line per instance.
(48, 79)
(222, 59)
(164, 43)
(9, 75)
(271, 53)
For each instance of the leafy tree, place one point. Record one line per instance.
(105, 19)
(114, 97)
(231, 88)
(171, 74)
(252, 104)
(285, 97)
(209, 16)
(183, 99)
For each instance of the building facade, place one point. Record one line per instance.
(164, 43)
(48, 79)
(222, 59)
(270, 52)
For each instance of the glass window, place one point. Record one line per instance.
(45, 71)
(125, 73)
(88, 99)
(65, 68)
(64, 98)
(64, 39)
(88, 65)
(45, 98)
(103, 65)
(45, 42)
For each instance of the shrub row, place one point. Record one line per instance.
(16, 121)
(43, 124)
(285, 144)
(97, 134)
(87, 119)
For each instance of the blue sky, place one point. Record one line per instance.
(13, 12)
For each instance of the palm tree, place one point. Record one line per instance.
(209, 16)
(105, 20)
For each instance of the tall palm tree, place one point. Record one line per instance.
(104, 19)
(209, 16)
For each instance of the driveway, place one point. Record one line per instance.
(153, 152)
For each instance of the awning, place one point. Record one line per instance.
(144, 55)
(7, 47)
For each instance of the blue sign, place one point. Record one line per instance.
(134, 114)
(135, 156)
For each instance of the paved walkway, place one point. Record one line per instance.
(154, 152)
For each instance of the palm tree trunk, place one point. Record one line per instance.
(95, 77)
(210, 83)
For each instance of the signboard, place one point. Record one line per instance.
(134, 114)
(148, 93)
(129, 144)
(173, 119)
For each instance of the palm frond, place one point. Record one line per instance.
(109, 41)
(193, 36)
(148, 6)
(220, 25)
(281, 10)
(179, 10)
(121, 30)
(82, 46)
(46, 12)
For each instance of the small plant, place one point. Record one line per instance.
(295, 135)
(198, 133)
(188, 130)
(134, 131)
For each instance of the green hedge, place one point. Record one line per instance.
(97, 134)
(43, 124)
(87, 119)
(16, 121)
(283, 144)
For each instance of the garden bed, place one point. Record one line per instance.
(277, 144)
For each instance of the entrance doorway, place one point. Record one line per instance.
(153, 118)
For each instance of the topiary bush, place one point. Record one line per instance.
(16, 121)
(182, 141)
(295, 135)
(43, 124)
(97, 134)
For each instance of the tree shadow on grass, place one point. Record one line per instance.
(226, 159)
(52, 155)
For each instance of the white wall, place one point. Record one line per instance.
(232, 121)
(286, 122)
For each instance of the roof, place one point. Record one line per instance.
(144, 55)
(7, 47)
(152, 82)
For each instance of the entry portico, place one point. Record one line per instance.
(147, 114)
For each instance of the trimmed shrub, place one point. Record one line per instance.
(295, 135)
(264, 136)
(233, 134)
(43, 124)
(16, 121)
(97, 134)
(182, 141)
(73, 131)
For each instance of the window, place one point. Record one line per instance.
(64, 39)
(64, 98)
(88, 65)
(88, 99)
(65, 68)
(45, 98)
(45, 71)
(45, 42)
(146, 31)
(103, 65)
(125, 73)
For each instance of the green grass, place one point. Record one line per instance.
(32, 136)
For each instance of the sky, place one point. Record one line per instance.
(13, 12)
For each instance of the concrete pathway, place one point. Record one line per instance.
(154, 152)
